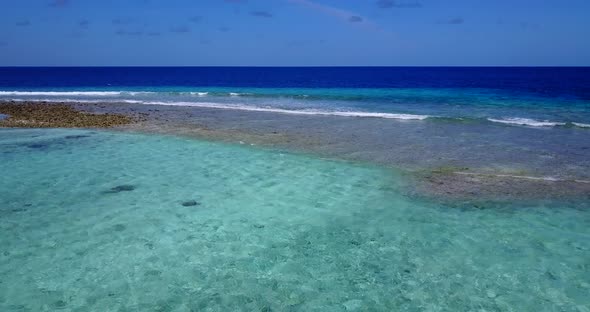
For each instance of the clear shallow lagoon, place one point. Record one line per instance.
(272, 232)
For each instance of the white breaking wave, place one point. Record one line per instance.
(549, 179)
(251, 108)
(293, 112)
(527, 122)
(52, 94)
(71, 93)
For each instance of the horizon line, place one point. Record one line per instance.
(294, 66)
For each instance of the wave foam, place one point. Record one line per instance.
(527, 122)
(54, 96)
(252, 108)
(287, 111)
(200, 93)
(548, 179)
(581, 125)
(71, 93)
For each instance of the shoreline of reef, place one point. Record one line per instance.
(56, 115)
(439, 180)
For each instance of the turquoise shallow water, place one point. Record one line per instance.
(272, 232)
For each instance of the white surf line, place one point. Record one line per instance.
(359, 114)
(516, 121)
(581, 125)
(75, 93)
(550, 179)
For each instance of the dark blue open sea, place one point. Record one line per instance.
(97, 220)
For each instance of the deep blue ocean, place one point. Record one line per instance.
(514, 96)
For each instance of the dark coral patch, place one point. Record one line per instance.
(190, 203)
(120, 188)
(119, 227)
(78, 136)
(38, 146)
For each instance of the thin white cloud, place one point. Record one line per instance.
(344, 15)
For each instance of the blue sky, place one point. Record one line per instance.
(294, 32)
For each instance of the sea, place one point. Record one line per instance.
(535, 97)
(103, 220)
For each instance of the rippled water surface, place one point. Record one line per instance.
(102, 221)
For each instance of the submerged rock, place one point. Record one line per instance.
(121, 188)
(77, 136)
(119, 227)
(55, 115)
(190, 203)
(152, 273)
(60, 304)
(37, 146)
